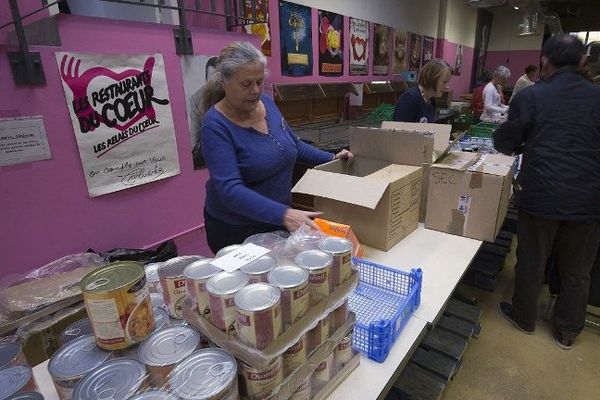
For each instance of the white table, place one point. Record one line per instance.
(44, 381)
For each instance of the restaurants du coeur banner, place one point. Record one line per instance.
(121, 114)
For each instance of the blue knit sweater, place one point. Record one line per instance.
(411, 107)
(250, 172)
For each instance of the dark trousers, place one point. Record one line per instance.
(220, 234)
(575, 244)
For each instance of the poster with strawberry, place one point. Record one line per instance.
(359, 47)
(120, 110)
(331, 43)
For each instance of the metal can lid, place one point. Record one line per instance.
(201, 269)
(115, 379)
(76, 330)
(335, 245)
(257, 297)
(174, 267)
(27, 396)
(169, 346)
(225, 283)
(14, 379)
(152, 271)
(153, 395)
(112, 276)
(8, 352)
(204, 375)
(161, 318)
(77, 358)
(288, 276)
(261, 265)
(227, 249)
(314, 259)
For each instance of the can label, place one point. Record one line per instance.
(197, 289)
(319, 334)
(259, 328)
(324, 372)
(223, 312)
(340, 315)
(343, 352)
(341, 267)
(174, 294)
(258, 278)
(319, 285)
(64, 387)
(303, 391)
(295, 356)
(294, 303)
(159, 375)
(261, 382)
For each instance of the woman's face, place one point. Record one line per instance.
(244, 88)
(442, 84)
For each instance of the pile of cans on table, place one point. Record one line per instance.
(16, 376)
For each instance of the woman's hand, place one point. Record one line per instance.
(294, 219)
(345, 155)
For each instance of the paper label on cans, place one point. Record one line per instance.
(176, 295)
(257, 381)
(259, 328)
(295, 356)
(105, 319)
(238, 258)
(223, 312)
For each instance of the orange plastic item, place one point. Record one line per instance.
(340, 230)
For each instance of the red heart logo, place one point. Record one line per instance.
(358, 44)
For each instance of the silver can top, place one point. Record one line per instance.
(257, 297)
(203, 375)
(27, 396)
(225, 283)
(13, 379)
(335, 245)
(76, 330)
(169, 346)
(115, 379)
(314, 260)
(288, 276)
(8, 352)
(77, 358)
(201, 270)
(174, 267)
(261, 265)
(153, 395)
(227, 249)
(161, 318)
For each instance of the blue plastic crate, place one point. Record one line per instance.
(383, 302)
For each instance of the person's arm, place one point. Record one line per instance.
(488, 101)
(407, 109)
(510, 137)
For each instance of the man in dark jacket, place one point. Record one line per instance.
(555, 124)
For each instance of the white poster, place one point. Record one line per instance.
(359, 47)
(23, 140)
(120, 109)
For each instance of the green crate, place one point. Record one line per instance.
(484, 129)
(384, 112)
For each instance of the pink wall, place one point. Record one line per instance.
(459, 84)
(516, 60)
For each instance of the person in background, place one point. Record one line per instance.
(493, 109)
(527, 79)
(416, 104)
(555, 124)
(196, 114)
(250, 151)
(477, 99)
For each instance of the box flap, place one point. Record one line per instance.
(387, 145)
(393, 172)
(441, 132)
(460, 161)
(493, 164)
(348, 189)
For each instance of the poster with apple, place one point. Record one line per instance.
(359, 47)
(119, 108)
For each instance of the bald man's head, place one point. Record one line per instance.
(564, 51)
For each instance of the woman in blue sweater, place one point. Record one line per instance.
(250, 151)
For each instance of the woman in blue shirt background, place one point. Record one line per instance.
(250, 151)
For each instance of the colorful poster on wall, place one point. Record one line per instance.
(196, 70)
(119, 107)
(331, 43)
(415, 47)
(427, 50)
(359, 47)
(399, 58)
(381, 60)
(258, 10)
(458, 62)
(296, 39)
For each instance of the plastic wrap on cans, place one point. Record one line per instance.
(343, 352)
(303, 391)
(164, 349)
(258, 270)
(16, 380)
(258, 382)
(292, 281)
(76, 330)
(73, 361)
(154, 395)
(227, 249)
(161, 318)
(207, 374)
(117, 300)
(197, 275)
(258, 314)
(11, 355)
(319, 333)
(324, 372)
(172, 283)
(221, 290)
(318, 264)
(27, 396)
(340, 315)
(341, 251)
(116, 379)
(295, 356)
(157, 300)
(151, 271)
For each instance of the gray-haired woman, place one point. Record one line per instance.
(493, 109)
(250, 151)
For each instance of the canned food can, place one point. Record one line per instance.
(207, 374)
(341, 251)
(157, 300)
(227, 249)
(295, 356)
(340, 315)
(151, 271)
(292, 281)
(27, 396)
(221, 290)
(318, 264)
(258, 308)
(117, 300)
(172, 283)
(324, 372)
(16, 380)
(197, 275)
(161, 318)
(258, 270)
(153, 395)
(116, 379)
(319, 333)
(303, 391)
(258, 383)
(73, 361)
(76, 330)
(164, 349)
(11, 355)
(343, 352)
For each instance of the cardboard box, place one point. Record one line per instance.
(469, 194)
(377, 197)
